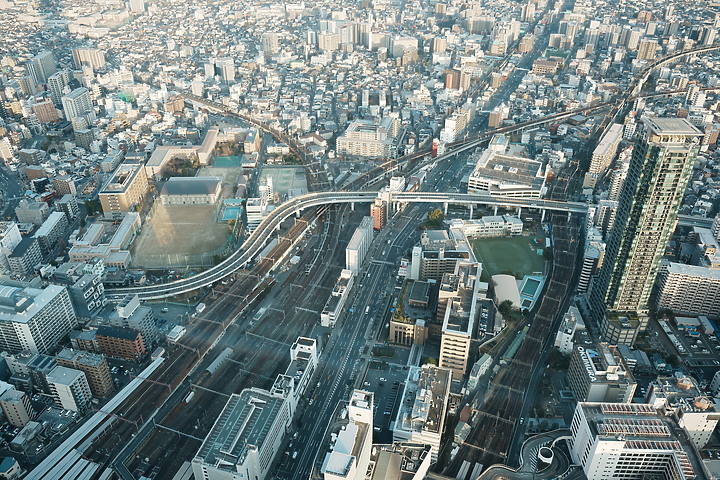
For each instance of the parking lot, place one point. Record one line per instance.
(386, 384)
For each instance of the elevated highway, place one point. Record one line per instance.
(254, 244)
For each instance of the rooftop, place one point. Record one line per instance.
(425, 400)
(671, 126)
(243, 424)
(64, 375)
(122, 178)
(191, 186)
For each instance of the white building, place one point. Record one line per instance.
(462, 290)
(191, 191)
(349, 457)
(611, 441)
(69, 388)
(33, 319)
(571, 322)
(498, 173)
(9, 239)
(688, 289)
(358, 246)
(366, 138)
(333, 307)
(488, 226)
(423, 406)
(255, 210)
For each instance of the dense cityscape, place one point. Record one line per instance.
(374, 240)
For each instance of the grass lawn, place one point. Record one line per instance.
(514, 254)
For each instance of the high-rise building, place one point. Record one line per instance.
(688, 289)
(458, 323)
(45, 111)
(92, 57)
(359, 245)
(9, 239)
(421, 420)
(93, 365)
(130, 314)
(77, 104)
(137, 6)
(350, 456)
(70, 388)
(125, 189)
(646, 50)
(600, 375)
(378, 211)
(58, 86)
(270, 43)
(41, 66)
(659, 170)
(33, 319)
(16, 407)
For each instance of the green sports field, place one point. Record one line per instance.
(509, 254)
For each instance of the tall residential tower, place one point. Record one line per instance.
(659, 171)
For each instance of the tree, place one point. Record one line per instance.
(431, 361)
(505, 308)
(93, 207)
(435, 217)
(673, 360)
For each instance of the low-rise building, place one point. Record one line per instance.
(488, 226)
(334, 305)
(191, 191)
(499, 173)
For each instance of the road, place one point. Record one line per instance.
(12, 193)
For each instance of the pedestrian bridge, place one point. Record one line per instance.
(254, 244)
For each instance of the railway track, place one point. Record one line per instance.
(260, 353)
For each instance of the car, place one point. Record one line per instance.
(294, 455)
(165, 310)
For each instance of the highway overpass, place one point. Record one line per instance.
(254, 244)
